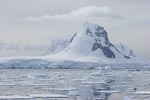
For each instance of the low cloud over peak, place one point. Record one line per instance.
(83, 12)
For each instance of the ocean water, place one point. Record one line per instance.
(74, 84)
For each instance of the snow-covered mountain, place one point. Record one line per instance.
(93, 42)
(92, 38)
(56, 47)
(88, 48)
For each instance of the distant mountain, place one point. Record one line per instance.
(56, 47)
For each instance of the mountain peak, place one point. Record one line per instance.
(92, 27)
(98, 33)
(87, 24)
(90, 39)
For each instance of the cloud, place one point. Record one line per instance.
(15, 47)
(84, 12)
(18, 47)
(2, 45)
(35, 47)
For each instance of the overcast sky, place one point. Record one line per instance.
(27, 27)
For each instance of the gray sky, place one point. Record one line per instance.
(27, 27)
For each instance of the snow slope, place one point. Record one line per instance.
(88, 48)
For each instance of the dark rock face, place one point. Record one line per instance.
(96, 46)
(107, 52)
(131, 53)
(100, 32)
(88, 31)
(127, 57)
(73, 37)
